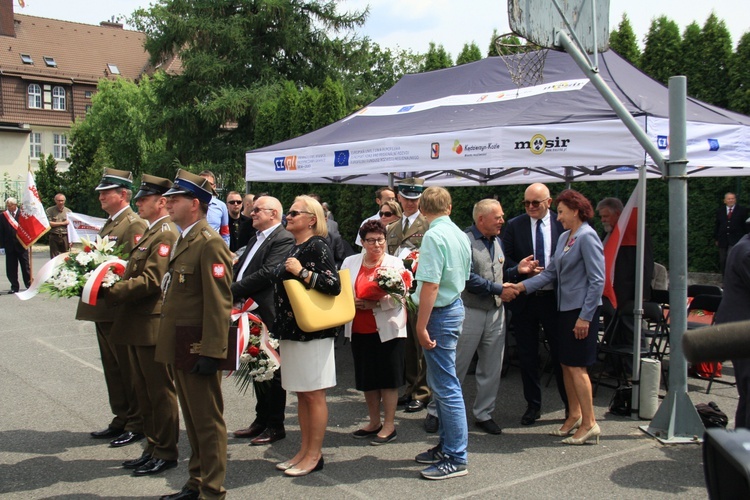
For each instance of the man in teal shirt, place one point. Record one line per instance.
(444, 264)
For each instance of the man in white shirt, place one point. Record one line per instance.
(382, 195)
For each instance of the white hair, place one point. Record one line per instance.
(12, 201)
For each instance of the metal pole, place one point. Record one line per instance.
(677, 421)
(612, 100)
(638, 299)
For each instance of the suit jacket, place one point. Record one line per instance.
(137, 296)
(390, 317)
(257, 282)
(729, 231)
(736, 297)
(577, 271)
(517, 245)
(126, 230)
(197, 293)
(396, 238)
(624, 281)
(8, 239)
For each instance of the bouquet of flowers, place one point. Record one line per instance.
(396, 283)
(70, 278)
(255, 363)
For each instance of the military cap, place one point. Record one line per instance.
(411, 188)
(189, 184)
(150, 184)
(115, 179)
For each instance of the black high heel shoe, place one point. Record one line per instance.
(295, 472)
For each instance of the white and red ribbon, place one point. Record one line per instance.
(94, 283)
(45, 273)
(243, 331)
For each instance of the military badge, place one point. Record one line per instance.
(218, 270)
(163, 250)
(137, 238)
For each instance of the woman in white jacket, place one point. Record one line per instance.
(377, 333)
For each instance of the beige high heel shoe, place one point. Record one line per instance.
(285, 465)
(565, 432)
(594, 432)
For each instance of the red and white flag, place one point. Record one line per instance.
(624, 234)
(32, 219)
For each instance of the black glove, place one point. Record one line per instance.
(206, 366)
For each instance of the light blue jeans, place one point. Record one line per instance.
(444, 328)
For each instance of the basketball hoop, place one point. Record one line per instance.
(525, 63)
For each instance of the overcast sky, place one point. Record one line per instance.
(413, 24)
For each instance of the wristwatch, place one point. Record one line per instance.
(304, 273)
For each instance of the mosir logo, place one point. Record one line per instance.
(539, 144)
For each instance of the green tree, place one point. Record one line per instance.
(469, 53)
(492, 49)
(623, 41)
(48, 180)
(661, 55)
(331, 105)
(231, 52)
(303, 114)
(716, 44)
(436, 58)
(739, 77)
(510, 44)
(285, 106)
(691, 59)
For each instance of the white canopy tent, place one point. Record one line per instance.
(469, 125)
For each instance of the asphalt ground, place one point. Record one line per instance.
(52, 394)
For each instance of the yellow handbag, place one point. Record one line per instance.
(315, 311)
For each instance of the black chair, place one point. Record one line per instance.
(710, 304)
(695, 290)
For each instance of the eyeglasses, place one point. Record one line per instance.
(257, 209)
(295, 213)
(534, 203)
(374, 241)
(386, 214)
(234, 202)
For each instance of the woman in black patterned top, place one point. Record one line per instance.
(307, 362)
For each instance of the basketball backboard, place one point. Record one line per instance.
(539, 21)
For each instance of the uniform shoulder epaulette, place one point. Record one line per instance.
(206, 233)
(132, 217)
(165, 227)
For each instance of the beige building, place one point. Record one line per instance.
(49, 70)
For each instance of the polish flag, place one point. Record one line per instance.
(32, 219)
(624, 234)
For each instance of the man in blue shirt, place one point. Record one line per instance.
(218, 215)
(444, 265)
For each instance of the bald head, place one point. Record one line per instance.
(266, 212)
(537, 200)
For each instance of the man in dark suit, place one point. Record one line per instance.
(402, 237)
(534, 233)
(729, 227)
(15, 253)
(733, 307)
(252, 280)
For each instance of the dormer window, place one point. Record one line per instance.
(26, 59)
(50, 61)
(113, 69)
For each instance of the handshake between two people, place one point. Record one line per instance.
(527, 266)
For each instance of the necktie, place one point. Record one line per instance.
(406, 225)
(539, 250)
(729, 214)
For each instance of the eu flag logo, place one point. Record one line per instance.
(341, 158)
(713, 144)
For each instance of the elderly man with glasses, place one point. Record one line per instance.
(534, 233)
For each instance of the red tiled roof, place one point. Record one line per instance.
(81, 51)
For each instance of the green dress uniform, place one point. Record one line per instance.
(138, 300)
(58, 236)
(126, 230)
(197, 293)
(415, 368)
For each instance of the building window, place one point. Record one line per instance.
(60, 146)
(58, 98)
(87, 94)
(35, 96)
(26, 59)
(113, 69)
(35, 144)
(88, 108)
(50, 61)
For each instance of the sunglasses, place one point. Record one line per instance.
(295, 213)
(534, 203)
(234, 202)
(386, 214)
(256, 209)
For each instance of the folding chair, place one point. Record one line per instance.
(706, 304)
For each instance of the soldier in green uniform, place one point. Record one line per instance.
(197, 295)
(138, 300)
(403, 237)
(125, 228)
